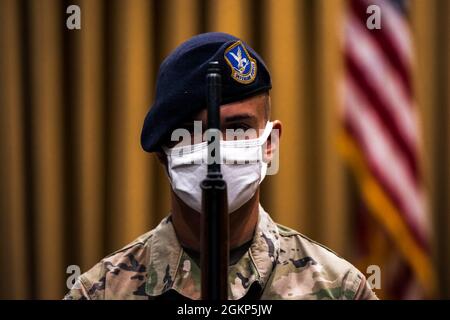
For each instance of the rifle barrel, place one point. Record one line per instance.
(215, 221)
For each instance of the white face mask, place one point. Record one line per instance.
(242, 166)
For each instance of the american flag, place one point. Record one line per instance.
(381, 142)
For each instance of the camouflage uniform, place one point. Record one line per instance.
(279, 264)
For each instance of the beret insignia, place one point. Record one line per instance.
(243, 66)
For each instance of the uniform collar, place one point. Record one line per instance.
(171, 267)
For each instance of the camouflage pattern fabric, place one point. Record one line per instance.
(283, 263)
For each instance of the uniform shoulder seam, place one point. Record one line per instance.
(140, 241)
(320, 245)
(288, 232)
(86, 288)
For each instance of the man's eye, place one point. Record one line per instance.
(237, 126)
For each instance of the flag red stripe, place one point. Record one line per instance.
(381, 148)
(390, 192)
(367, 88)
(363, 49)
(380, 117)
(386, 43)
(401, 280)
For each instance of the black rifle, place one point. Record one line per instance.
(215, 224)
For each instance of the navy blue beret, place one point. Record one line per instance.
(181, 84)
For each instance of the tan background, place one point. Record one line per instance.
(74, 182)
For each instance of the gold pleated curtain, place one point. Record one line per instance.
(75, 184)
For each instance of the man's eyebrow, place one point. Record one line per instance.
(238, 117)
(189, 123)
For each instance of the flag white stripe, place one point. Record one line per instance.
(397, 28)
(385, 80)
(382, 153)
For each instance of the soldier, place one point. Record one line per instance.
(267, 260)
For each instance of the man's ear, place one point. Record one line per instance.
(273, 141)
(162, 158)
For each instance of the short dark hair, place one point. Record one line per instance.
(267, 106)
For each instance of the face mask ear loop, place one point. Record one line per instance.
(263, 167)
(263, 138)
(266, 133)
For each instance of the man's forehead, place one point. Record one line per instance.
(249, 108)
